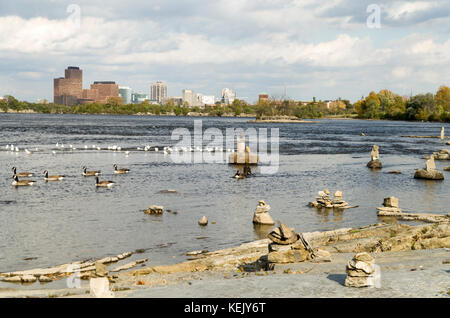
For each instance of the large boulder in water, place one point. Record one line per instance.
(428, 174)
(375, 164)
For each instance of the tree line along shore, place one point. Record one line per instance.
(382, 105)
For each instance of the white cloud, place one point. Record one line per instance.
(256, 44)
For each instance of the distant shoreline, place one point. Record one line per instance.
(275, 119)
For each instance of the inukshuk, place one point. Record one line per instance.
(288, 246)
(375, 162)
(361, 271)
(324, 200)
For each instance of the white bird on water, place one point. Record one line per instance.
(28, 152)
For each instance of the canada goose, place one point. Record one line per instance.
(21, 174)
(105, 184)
(238, 175)
(52, 178)
(90, 173)
(17, 183)
(120, 171)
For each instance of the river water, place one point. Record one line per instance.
(58, 222)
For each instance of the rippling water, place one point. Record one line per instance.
(59, 222)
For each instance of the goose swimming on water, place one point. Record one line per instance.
(90, 173)
(120, 171)
(52, 178)
(104, 184)
(18, 182)
(21, 174)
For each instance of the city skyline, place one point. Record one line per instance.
(298, 49)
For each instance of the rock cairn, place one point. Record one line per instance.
(154, 209)
(324, 200)
(430, 172)
(443, 154)
(391, 209)
(389, 205)
(287, 246)
(261, 215)
(361, 271)
(375, 162)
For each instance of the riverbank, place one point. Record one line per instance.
(409, 256)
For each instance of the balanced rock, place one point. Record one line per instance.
(390, 207)
(361, 271)
(203, 221)
(154, 209)
(283, 235)
(375, 162)
(430, 172)
(443, 154)
(391, 202)
(261, 215)
(324, 201)
(283, 252)
(100, 269)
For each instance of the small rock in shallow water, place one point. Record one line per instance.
(203, 221)
(154, 209)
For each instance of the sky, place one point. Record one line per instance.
(296, 49)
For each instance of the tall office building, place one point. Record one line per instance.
(125, 93)
(68, 89)
(159, 91)
(106, 89)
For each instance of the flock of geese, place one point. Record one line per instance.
(85, 173)
(165, 150)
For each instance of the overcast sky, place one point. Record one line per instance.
(305, 48)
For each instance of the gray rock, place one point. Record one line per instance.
(391, 202)
(12, 279)
(45, 279)
(352, 281)
(203, 221)
(100, 269)
(375, 164)
(429, 175)
(261, 215)
(28, 279)
(154, 209)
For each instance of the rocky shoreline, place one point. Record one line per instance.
(251, 260)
